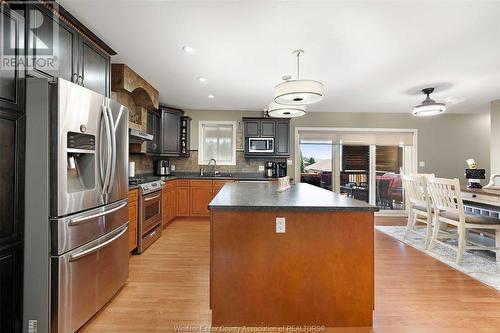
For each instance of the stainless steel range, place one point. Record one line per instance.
(150, 211)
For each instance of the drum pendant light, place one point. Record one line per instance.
(276, 110)
(298, 92)
(429, 107)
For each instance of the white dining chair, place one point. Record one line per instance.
(419, 207)
(449, 210)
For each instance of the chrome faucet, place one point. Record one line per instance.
(214, 165)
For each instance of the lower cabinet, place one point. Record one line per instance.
(200, 195)
(189, 197)
(183, 202)
(219, 184)
(11, 281)
(133, 208)
(169, 205)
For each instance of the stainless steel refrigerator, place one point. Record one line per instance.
(76, 246)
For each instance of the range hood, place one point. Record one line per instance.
(136, 136)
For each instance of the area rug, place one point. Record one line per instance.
(480, 265)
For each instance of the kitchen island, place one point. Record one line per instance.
(316, 268)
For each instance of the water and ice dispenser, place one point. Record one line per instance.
(81, 157)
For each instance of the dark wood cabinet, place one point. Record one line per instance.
(94, 67)
(170, 131)
(282, 138)
(278, 129)
(11, 281)
(57, 50)
(53, 45)
(267, 128)
(7, 178)
(11, 74)
(11, 219)
(11, 194)
(252, 128)
(153, 127)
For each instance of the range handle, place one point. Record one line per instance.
(152, 198)
(116, 234)
(84, 218)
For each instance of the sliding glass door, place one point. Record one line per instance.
(389, 167)
(366, 166)
(316, 162)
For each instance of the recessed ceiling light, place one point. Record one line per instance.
(187, 49)
(202, 79)
(211, 96)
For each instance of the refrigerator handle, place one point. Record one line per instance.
(93, 249)
(81, 219)
(108, 150)
(102, 170)
(112, 135)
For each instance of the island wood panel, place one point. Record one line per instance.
(415, 293)
(320, 272)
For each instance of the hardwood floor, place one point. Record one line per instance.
(168, 286)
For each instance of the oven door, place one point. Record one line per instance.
(261, 145)
(150, 211)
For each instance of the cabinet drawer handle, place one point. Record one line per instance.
(474, 196)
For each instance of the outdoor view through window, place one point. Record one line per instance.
(355, 171)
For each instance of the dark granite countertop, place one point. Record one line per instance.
(263, 196)
(245, 176)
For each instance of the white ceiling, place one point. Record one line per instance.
(371, 56)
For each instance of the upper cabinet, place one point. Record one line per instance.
(282, 138)
(52, 45)
(11, 74)
(170, 131)
(252, 127)
(268, 128)
(154, 123)
(58, 50)
(94, 67)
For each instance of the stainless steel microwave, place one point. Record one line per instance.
(260, 145)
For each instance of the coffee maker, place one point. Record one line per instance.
(281, 168)
(163, 168)
(270, 168)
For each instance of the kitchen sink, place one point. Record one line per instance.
(219, 175)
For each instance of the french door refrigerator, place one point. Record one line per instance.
(76, 246)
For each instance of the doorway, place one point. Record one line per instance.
(364, 164)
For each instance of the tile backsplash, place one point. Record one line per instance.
(243, 164)
(145, 163)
